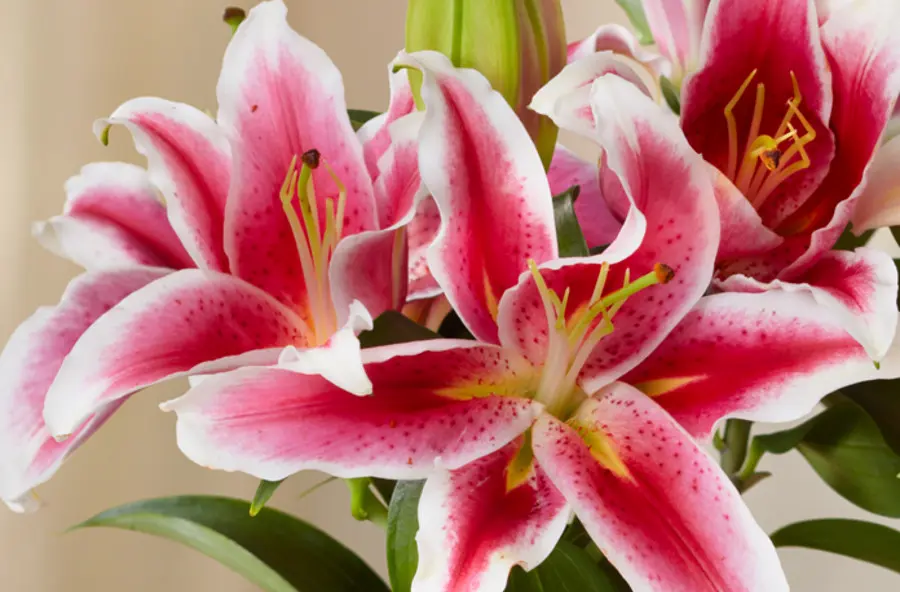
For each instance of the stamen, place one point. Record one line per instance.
(756, 183)
(571, 341)
(732, 125)
(315, 245)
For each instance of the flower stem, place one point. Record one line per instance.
(364, 505)
(736, 440)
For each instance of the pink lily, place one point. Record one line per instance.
(619, 40)
(677, 26)
(779, 126)
(293, 243)
(516, 430)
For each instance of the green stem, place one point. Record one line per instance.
(736, 439)
(753, 458)
(364, 504)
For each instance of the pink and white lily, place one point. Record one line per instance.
(780, 127)
(274, 234)
(532, 421)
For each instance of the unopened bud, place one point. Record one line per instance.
(518, 45)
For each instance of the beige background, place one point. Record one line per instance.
(64, 63)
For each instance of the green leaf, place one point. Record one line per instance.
(638, 19)
(360, 116)
(568, 569)
(865, 541)
(671, 94)
(392, 327)
(452, 327)
(402, 525)
(881, 400)
(263, 494)
(845, 447)
(275, 551)
(568, 232)
(850, 242)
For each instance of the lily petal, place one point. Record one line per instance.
(488, 181)
(677, 27)
(863, 47)
(375, 135)
(598, 223)
(473, 530)
(189, 160)
(860, 287)
(657, 506)
(280, 96)
(616, 38)
(743, 231)
(30, 361)
(427, 410)
(113, 218)
(776, 40)
(162, 331)
(421, 233)
(677, 204)
(765, 357)
(566, 99)
(879, 203)
(372, 266)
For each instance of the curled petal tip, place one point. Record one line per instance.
(61, 437)
(664, 273)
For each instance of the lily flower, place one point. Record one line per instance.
(518, 429)
(779, 126)
(273, 235)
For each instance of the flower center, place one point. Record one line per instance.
(781, 155)
(315, 240)
(572, 338)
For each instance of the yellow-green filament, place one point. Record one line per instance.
(315, 245)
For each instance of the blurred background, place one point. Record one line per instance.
(65, 63)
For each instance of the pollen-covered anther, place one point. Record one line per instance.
(664, 273)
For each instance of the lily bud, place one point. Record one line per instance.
(518, 45)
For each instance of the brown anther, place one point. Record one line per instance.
(664, 273)
(771, 158)
(234, 14)
(311, 158)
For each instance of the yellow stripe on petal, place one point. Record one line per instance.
(521, 466)
(655, 388)
(602, 449)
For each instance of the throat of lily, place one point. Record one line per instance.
(573, 337)
(767, 160)
(317, 229)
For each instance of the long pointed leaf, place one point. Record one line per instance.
(275, 551)
(865, 541)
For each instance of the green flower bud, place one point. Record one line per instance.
(518, 45)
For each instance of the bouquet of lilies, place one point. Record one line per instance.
(536, 371)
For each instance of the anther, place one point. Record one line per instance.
(664, 273)
(311, 158)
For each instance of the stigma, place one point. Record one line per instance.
(573, 336)
(767, 160)
(317, 228)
